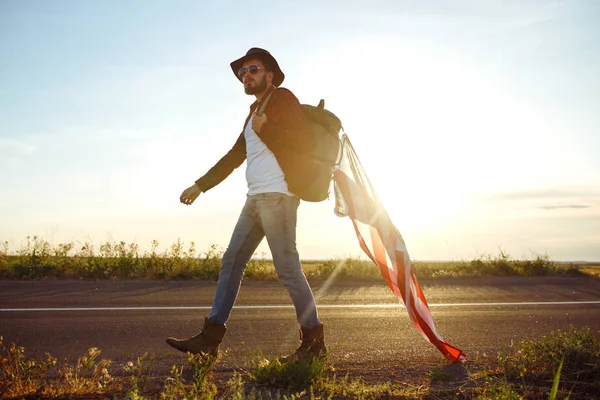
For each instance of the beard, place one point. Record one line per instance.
(259, 86)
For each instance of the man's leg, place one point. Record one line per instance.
(244, 241)
(278, 213)
(246, 237)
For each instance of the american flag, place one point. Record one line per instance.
(356, 198)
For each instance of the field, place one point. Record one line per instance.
(38, 259)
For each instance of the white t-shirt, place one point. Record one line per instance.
(263, 172)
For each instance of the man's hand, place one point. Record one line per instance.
(190, 194)
(257, 121)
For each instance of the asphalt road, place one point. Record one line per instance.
(367, 333)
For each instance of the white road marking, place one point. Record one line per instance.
(322, 306)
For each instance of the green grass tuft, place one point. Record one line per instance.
(294, 375)
(572, 357)
(439, 375)
(577, 350)
(201, 386)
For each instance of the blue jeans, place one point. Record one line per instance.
(270, 215)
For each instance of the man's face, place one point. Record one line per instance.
(255, 80)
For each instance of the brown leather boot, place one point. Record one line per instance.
(312, 345)
(206, 342)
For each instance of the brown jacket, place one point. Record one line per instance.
(286, 133)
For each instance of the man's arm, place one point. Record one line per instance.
(225, 166)
(287, 124)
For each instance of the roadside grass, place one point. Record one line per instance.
(439, 375)
(575, 352)
(558, 365)
(39, 259)
(590, 269)
(293, 376)
(562, 363)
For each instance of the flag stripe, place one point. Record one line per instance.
(387, 249)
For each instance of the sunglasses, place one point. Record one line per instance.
(253, 69)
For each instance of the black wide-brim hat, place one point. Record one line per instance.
(265, 57)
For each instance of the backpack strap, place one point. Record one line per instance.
(263, 106)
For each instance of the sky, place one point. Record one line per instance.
(476, 121)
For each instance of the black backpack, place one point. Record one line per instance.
(325, 128)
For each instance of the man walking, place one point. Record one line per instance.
(274, 143)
